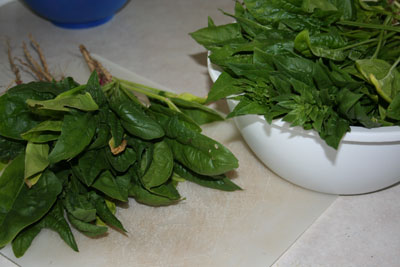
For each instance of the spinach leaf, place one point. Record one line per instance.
(382, 75)
(36, 161)
(198, 152)
(11, 183)
(104, 212)
(224, 86)
(83, 102)
(89, 165)
(218, 35)
(10, 148)
(88, 229)
(15, 115)
(136, 121)
(167, 190)
(199, 113)
(44, 132)
(77, 131)
(53, 220)
(115, 187)
(122, 161)
(143, 196)
(29, 205)
(217, 182)
(79, 206)
(93, 87)
(117, 131)
(160, 168)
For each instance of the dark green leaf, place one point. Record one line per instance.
(136, 121)
(88, 229)
(29, 206)
(122, 161)
(53, 220)
(77, 131)
(160, 168)
(217, 182)
(115, 187)
(45, 131)
(10, 148)
(198, 152)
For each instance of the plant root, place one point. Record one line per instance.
(94, 65)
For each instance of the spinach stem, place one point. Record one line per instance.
(108, 86)
(131, 87)
(357, 44)
(369, 25)
(184, 96)
(378, 48)
(394, 65)
(147, 88)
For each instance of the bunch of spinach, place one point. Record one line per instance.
(80, 149)
(320, 64)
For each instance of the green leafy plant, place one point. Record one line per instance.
(82, 149)
(321, 64)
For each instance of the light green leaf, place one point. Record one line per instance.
(81, 101)
(43, 132)
(36, 160)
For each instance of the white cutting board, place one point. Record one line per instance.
(252, 227)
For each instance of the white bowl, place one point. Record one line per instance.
(367, 160)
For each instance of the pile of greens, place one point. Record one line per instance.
(78, 150)
(320, 64)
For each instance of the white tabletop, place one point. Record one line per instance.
(359, 230)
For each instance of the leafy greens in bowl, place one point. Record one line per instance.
(326, 66)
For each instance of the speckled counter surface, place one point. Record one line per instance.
(150, 38)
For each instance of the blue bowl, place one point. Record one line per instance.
(76, 14)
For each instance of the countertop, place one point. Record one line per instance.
(362, 230)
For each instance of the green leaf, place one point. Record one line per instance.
(247, 106)
(198, 152)
(53, 220)
(29, 206)
(15, 115)
(88, 229)
(143, 196)
(11, 183)
(160, 168)
(136, 121)
(122, 161)
(382, 75)
(93, 87)
(224, 86)
(83, 102)
(36, 160)
(10, 148)
(218, 35)
(114, 187)
(117, 131)
(77, 131)
(79, 206)
(90, 164)
(320, 48)
(310, 5)
(346, 100)
(198, 112)
(393, 111)
(104, 212)
(44, 132)
(216, 182)
(167, 190)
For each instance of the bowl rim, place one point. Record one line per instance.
(357, 133)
